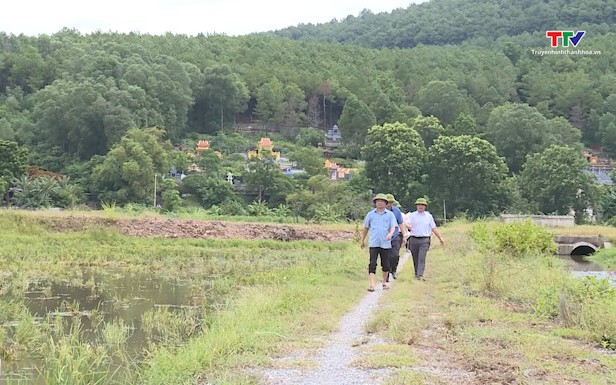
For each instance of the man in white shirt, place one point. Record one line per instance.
(421, 226)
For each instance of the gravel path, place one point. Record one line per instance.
(334, 362)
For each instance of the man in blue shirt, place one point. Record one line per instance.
(396, 240)
(381, 224)
(421, 226)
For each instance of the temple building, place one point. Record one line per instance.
(202, 145)
(336, 172)
(264, 147)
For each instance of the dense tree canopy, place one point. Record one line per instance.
(438, 22)
(459, 68)
(517, 130)
(467, 174)
(556, 179)
(127, 173)
(12, 163)
(395, 155)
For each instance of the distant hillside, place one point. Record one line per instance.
(441, 22)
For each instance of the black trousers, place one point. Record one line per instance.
(375, 252)
(396, 243)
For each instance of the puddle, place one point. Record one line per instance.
(580, 263)
(611, 276)
(101, 296)
(581, 267)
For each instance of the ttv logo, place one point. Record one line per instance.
(566, 37)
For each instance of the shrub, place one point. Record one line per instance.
(517, 239)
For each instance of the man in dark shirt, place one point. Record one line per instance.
(396, 241)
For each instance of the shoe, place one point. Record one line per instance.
(417, 277)
(394, 276)
(371, 288)
(385, 286)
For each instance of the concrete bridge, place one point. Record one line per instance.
(580, 244)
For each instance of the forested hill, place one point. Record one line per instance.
(440, 22)
(85, 105)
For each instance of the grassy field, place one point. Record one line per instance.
(492, 306)
(501, 317)
(271, 295)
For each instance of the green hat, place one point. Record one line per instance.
(382, 197)
(390, 198)
(421, 201)
(396, 204)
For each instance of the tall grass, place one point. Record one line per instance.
(539, 280)
(501, 313)
(606, 258)
(255, 297)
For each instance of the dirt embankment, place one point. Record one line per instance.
(189, 228)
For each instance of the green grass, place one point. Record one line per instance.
(270, 297)
(500, 317)
(606, 258)
(485, 311)
(114, 213)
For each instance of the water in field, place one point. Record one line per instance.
(96, 298)
(580, 266)
(580, 263)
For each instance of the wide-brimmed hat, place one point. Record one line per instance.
(390, 198)
(421, 201)
(396, 204)
(382, 197)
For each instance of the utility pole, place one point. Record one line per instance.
(444, 213)
(154, 190)
(222, 117)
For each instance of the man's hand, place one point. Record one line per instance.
(362, 244)
(389, 237)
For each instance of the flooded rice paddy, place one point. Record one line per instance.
(94, 306)
(141, 308)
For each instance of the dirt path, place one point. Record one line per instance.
(333, 364)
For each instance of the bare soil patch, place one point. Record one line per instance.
(202, 229)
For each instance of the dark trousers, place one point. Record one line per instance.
(396, 243)
(375, 252)
(419, 246)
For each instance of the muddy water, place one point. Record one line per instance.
(112, 294)
(580, 263)
(582, 267)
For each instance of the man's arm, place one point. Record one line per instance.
(438, 234)
(400, 220)
(393, 223)
(362, 242)
(391, 232)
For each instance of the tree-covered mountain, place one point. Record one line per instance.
(441, 22)
(73, 100)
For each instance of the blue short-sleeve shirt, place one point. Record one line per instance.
(378, 225)
(398, 214)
